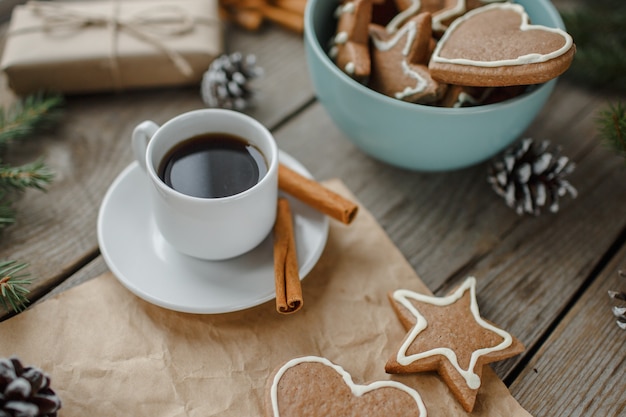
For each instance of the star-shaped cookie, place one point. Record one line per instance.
(448, 335)
(399, 61)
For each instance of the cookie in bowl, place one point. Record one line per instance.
(463, 126)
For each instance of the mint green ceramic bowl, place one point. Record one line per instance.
(413, 136)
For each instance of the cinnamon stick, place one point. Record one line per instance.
(250, 19)
(286, 18)
(316, 195)
(296, 6)
(286, 273)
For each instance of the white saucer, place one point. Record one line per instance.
(149, 267)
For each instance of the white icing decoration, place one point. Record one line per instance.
(473, 380)
(348, 7)
(521, 60)
(333, 52)
(341, 37)
(398, 19)
(457, 10)
(357, 390)
(410, 29)
(420, 85)
(345, 8)
(464, 98)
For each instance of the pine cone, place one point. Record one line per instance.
(226, 84)
(531, 177)
(619, 311)
(25, 391)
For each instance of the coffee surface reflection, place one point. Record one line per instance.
(212, 165)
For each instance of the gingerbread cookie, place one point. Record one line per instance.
(406, 9)
(315, 387)
(495, 45)
(462, 96)
(350, 49)
(399, 62)
(498, 94)
(383, 12)
(447, 335)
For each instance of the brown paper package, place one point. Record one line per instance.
(101, 46)
(110, 353)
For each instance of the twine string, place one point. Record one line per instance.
(149, 26)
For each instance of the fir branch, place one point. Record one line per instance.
(611, 123)
(13, 293)
(619, 310)
(598, 31)
(26, 116)
(20, 120)
(33, 175)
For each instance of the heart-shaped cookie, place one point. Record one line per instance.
(495, 45)
(312, 386)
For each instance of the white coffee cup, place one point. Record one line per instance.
(209, 228)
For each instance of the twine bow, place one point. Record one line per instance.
(149, 26)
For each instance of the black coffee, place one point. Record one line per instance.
(212, 165)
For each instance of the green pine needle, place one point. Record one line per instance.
(33, 175)
(19, 121)
(7, 214)
(12, 285)
(28, 115)
(611, 123)
(598, 31)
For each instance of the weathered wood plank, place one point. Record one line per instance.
(91, 270)
(579, 370)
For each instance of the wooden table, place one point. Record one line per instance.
(543, 278)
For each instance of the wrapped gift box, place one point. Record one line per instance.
(86, 47)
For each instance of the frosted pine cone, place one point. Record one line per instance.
(619, 311)
(530, 177)
(226, 84)
(25, 391)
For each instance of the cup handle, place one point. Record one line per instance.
(141, 136)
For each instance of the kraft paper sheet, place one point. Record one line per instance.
(110, 353)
